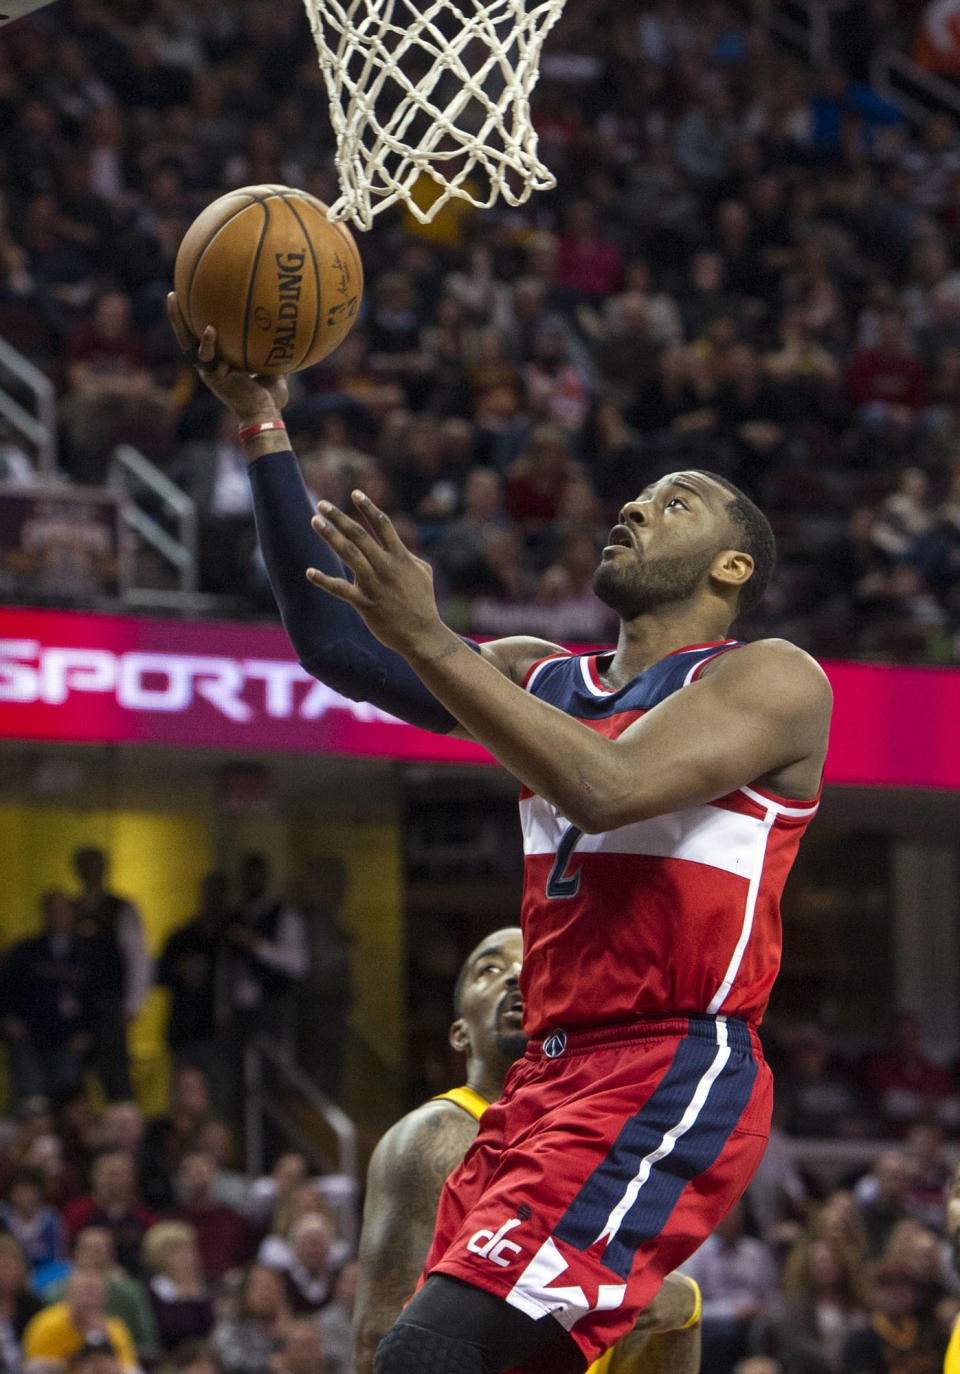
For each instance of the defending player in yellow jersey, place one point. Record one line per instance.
(412, 1161)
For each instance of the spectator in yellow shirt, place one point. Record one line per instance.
(60, 1331)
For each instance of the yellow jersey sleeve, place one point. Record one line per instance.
(471, 1102)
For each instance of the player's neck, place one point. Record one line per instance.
(486, 1079)
(649, 638)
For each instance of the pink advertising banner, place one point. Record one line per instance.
(120, 679)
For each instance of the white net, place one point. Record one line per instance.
(430, 101)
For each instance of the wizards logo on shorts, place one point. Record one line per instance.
(537, 1293)
(493, 1245)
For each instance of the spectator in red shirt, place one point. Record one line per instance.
(908, 1083)
(536, 481)
(930, 1174)
(586, 261)
(112, 395)
(558, 391)
(225, 1239)
(113, 1204)
(887, 382)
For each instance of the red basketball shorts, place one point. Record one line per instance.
(610, 1157)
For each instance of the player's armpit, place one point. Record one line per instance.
(406, 1176)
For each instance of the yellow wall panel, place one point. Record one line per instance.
(158, 859)
(374, 914)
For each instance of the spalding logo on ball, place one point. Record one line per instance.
(280, 284)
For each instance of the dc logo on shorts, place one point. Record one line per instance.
(555, 1044)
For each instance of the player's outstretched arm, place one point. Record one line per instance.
(330, 639)
(405, 1179)
(751, 716)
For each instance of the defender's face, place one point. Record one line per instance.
(490, 1004)
(664, 545)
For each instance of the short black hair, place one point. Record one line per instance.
(754, 536)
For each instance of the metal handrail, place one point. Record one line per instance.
(39, 430)
(885, 62)
(833, 1161)
(807, 29)
(260, 1106)
(179, 550)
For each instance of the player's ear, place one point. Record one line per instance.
(732, 567)
(460, 1036)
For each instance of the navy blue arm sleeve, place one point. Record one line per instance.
(330, 639)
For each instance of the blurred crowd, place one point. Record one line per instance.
(249, 961)
(745, 266)
(129, 1243)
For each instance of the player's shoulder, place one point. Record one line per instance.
(774, 664)
(425, 1136)
(515, 655)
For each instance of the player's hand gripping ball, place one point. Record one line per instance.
(278, 281)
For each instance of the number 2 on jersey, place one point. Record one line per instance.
(560, 883)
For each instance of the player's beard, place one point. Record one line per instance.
(634, 586)
(511, 1045)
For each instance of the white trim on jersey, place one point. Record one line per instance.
(769, 804)
(670, 1137)
(702, 663)
(709, 835)
(688, 678)
(749, 911)
(591, 685)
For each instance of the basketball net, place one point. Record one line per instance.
(436, 90)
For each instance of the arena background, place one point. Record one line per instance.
(749, 264)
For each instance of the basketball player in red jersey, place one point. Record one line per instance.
(416, 1156)
(666, 786)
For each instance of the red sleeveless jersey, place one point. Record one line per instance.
(672, 915)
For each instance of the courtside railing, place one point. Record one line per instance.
(804, 27)
(897, 78)
(280, 1096)
(134, 474)
(39, 428)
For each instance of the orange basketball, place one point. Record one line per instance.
(280, 283)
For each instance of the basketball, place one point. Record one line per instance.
(279, 282)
